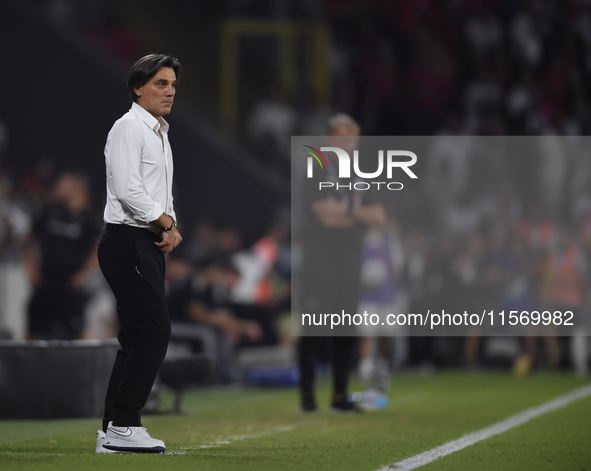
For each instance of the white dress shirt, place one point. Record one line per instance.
(139, 170)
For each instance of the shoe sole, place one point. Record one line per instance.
(132, 449)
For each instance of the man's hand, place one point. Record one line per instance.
(329, 208)
(169, 240)
(332, 212)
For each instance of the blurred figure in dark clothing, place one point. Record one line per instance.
(204, 240)
(335, 224)
(60, 253)
(565, 284)
(479, 274)
(201, 296)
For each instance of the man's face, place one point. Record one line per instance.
(157, 95)
(67, 187)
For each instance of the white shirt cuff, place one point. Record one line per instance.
(152, 215)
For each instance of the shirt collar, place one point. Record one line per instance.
(150, 120)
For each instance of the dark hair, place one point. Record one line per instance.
(143, 70)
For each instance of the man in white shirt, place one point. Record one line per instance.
(141, 228)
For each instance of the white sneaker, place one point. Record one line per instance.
(100, 441)
(131, 439)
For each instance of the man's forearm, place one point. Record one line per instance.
(341, 220)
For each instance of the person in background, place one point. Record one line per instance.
(201, 296)
(383, 261)
(60, 253)
(565, 284)
(334, 225)
(15, 225)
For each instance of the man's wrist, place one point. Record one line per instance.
(172, 225)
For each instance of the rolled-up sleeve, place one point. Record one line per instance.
(123, 157)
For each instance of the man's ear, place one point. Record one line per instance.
(138, 92)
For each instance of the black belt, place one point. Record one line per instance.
(114, 228)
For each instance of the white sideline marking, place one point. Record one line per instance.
(286, 428)
(500, 427)
(227, 441)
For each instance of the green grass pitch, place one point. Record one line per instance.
(262, 429)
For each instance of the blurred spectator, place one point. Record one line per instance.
(255, 267)
(448, 165)
(537, 228)
(479, 273)
(553, 170)
(484, 32)
(518, 292)
(567, 278)
(203, 242)
(415, 279)
(567, 275)
(15, 224)
(61, 254)
(383, 261)
(482, 98)
(261, 292)
(202, 296)
(270, 126)
(526, 37)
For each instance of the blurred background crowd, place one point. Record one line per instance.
(480, 229)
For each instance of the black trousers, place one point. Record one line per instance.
(341, 350)
(329, 283)
(134, 269)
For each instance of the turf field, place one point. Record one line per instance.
(262, 429)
